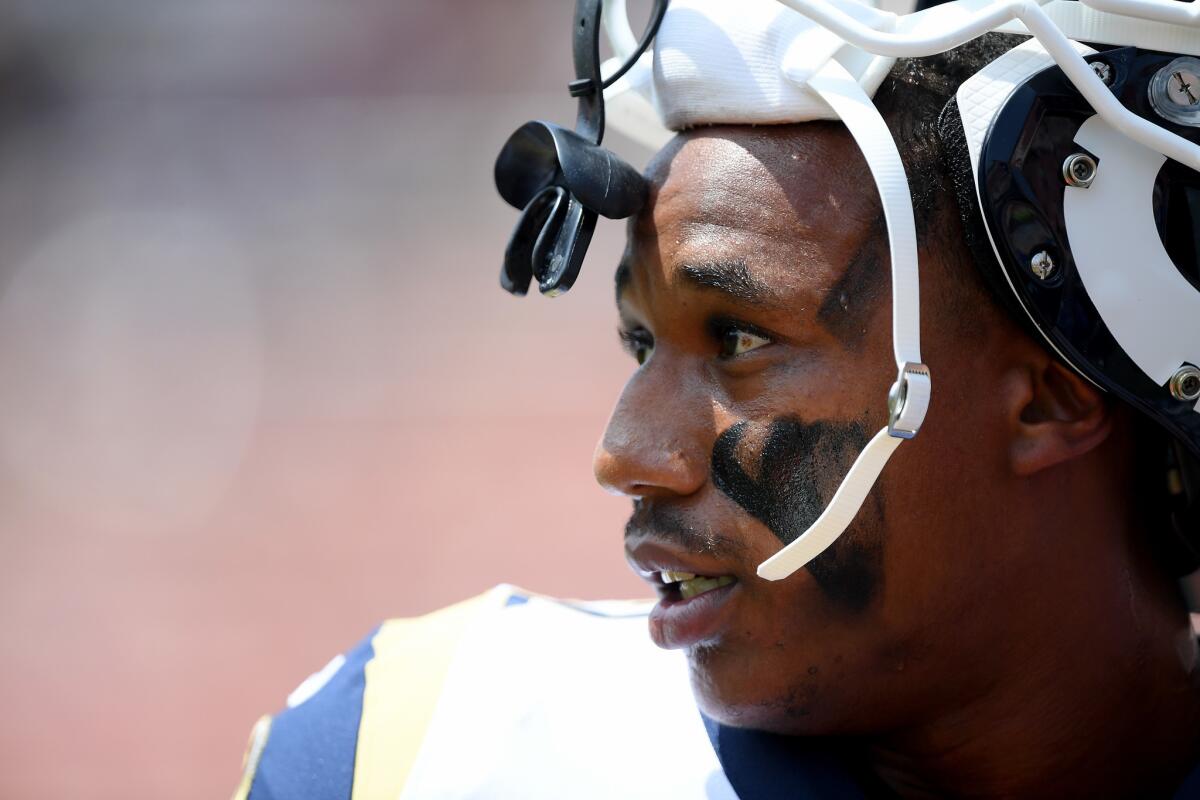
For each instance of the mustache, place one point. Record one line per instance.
(665, 523)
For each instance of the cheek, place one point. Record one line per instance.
(782, 667)
(785, 471)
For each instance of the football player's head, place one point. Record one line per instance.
(769, 296)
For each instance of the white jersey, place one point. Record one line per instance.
(509, 695)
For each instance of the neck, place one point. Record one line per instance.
(1095, 690)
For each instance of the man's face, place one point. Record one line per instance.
(754, 293)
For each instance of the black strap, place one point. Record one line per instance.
(656, 18)
(561, 179)
(587, 86)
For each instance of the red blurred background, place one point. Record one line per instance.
(259, 388)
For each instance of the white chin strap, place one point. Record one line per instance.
(909, 398)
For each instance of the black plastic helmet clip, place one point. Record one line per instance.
(562, 179)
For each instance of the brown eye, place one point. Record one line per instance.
(737, 341)
(639, 343)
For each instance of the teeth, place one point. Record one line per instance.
(697, 586)
(675, 577)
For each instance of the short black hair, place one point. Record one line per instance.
(917, 101)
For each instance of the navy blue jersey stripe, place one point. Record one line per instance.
(764, 766)
(310, 750)
(1190, 790)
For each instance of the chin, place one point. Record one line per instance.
(763, 699)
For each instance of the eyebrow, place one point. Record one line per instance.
(854, 291)
(732, 278)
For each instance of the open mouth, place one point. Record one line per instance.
(692, 608)
(676, 587)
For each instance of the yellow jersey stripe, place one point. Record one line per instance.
(254, 751)
(403, 683)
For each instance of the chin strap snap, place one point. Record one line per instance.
(908, 399)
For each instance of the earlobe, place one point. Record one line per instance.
(1055, 416)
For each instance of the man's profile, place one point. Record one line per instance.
(998, 616)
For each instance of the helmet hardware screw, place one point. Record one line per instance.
(1183, 88)
(1079, 170)
(1104, 72)
(1185, 384)
(1175, 91)
(1042, 265)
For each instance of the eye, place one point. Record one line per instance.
(738, 338)
(638, 342)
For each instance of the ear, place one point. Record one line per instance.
(1054, 416)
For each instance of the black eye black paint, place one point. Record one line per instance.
(799, 468)
(849, 302)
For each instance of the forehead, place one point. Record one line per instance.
(793, 203)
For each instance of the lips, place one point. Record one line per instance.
(694, 593)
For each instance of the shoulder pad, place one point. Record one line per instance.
(307, 750)
(352, 729)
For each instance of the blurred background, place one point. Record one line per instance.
(259, 388)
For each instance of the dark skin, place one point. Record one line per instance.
(991, 624)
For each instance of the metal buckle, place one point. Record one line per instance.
(904, 419)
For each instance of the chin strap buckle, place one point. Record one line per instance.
(908, 400)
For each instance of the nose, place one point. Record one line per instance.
(655, 444)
